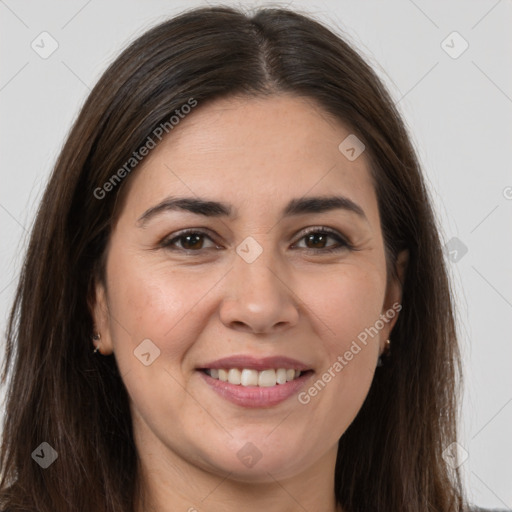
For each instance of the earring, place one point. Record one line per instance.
(96, 337)
(385, 353)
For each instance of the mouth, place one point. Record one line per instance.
(249, 381)
(250, 388)
(250, 377)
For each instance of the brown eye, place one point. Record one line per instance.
(316, 240)
(192, 241)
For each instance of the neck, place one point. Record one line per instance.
(167, 483)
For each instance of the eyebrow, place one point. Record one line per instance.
(209, 208)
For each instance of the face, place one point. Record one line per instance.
(268, 277)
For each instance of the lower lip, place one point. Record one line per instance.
(255, 396)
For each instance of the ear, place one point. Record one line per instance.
(393, 298)
(101, 318)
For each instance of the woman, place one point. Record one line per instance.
(234, 295)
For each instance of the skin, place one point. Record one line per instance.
(256, 154)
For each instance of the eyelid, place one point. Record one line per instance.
(329, 231)
(168, 241)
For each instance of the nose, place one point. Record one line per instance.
(258, 297)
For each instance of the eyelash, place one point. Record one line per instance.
(344, 244)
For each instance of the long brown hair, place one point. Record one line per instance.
(59, 392)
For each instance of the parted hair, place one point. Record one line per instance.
(390, 459)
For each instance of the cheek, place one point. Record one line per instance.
(345, 302)
(152, 302)
(157, 302)
(346, 310)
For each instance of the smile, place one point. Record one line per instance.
(267, 394)
(250, 377)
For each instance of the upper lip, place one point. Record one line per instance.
(256, 363)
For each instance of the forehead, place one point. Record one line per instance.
(255, 153)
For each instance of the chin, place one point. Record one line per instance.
(246, 462)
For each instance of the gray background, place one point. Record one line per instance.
(458, 111)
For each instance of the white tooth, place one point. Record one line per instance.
(249, 378)
(267, 378)
(281, 376)
(234, 376)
